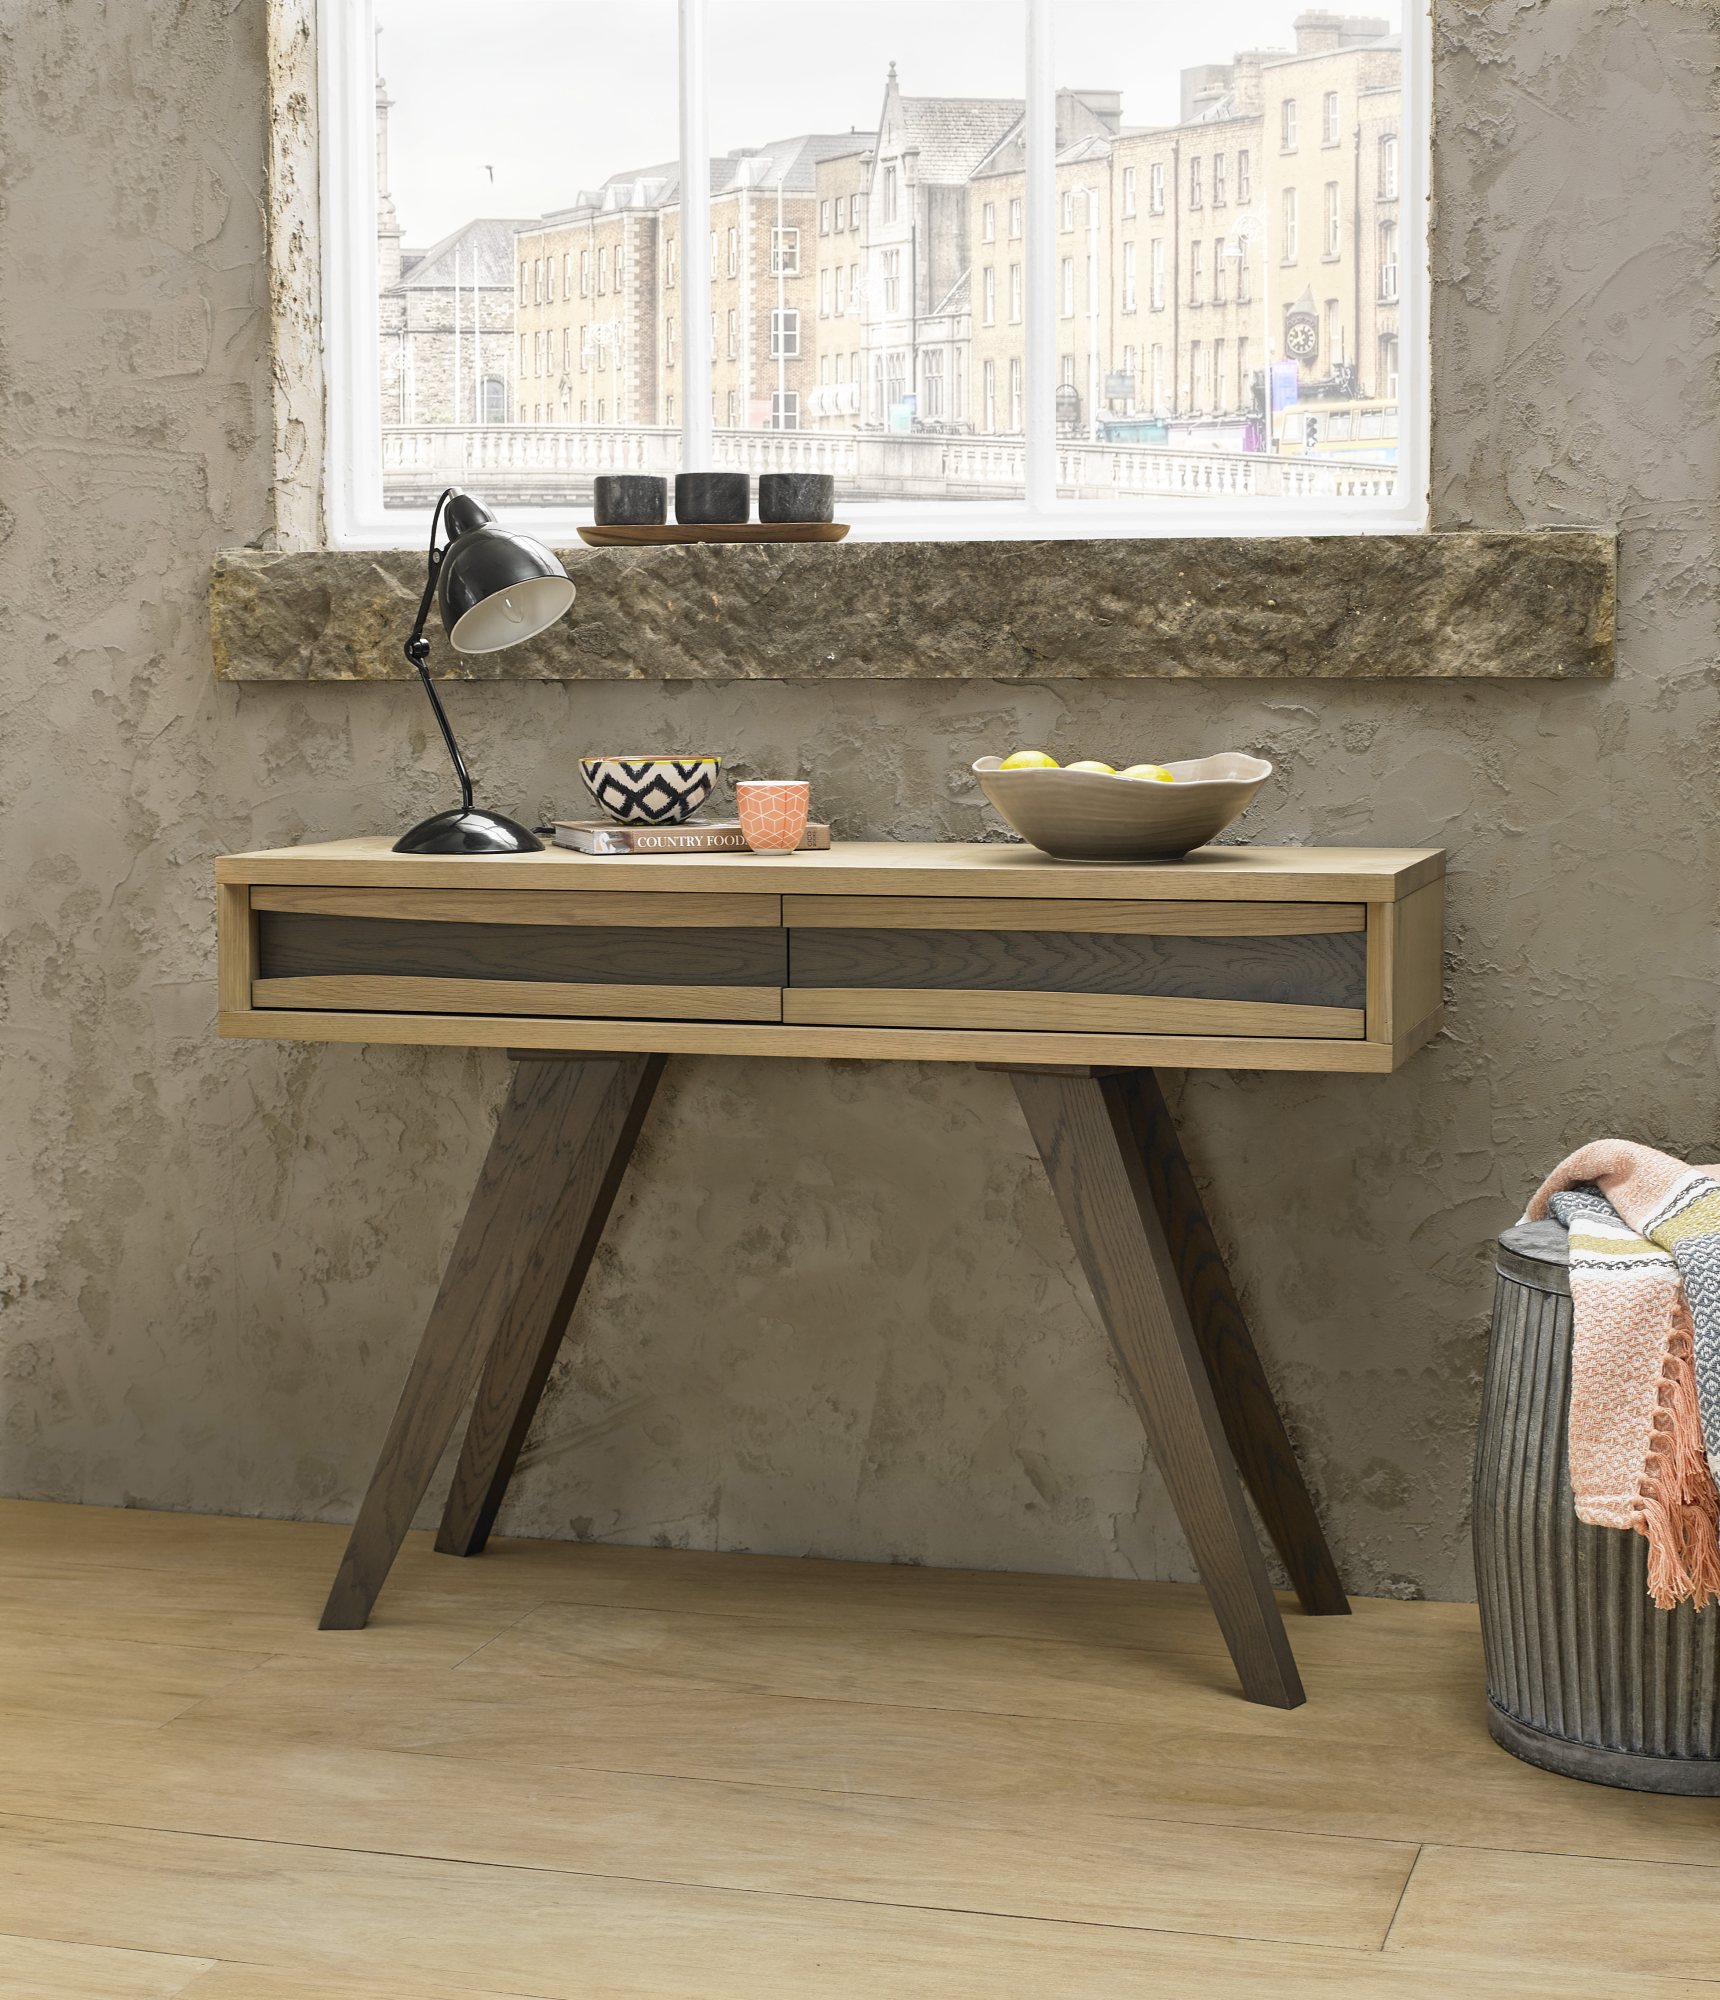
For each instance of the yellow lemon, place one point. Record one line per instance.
(1157, 771)
(1093, 764)
(1028, 760)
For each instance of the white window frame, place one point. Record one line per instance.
(352, 512)
(785, 252)
(784, 336)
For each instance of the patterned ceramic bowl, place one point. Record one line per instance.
(1087, 816)
(649, 791)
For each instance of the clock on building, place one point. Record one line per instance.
(1301, 336)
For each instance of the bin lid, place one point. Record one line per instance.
(1536, 1253)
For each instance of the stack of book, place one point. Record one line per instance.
(692, 836)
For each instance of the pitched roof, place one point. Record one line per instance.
(952, 134)
(490, 237)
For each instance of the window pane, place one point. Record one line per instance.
(886, 136)
(1246, 239)
(527, 267)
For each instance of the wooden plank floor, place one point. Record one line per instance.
(585, 1773)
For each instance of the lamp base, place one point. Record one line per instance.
(460, 832)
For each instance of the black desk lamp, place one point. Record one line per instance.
(493, 589)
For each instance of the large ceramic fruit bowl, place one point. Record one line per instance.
(649, 791)
(1090, 816)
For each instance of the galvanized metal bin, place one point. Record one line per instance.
(1584, 1675)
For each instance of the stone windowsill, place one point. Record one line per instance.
(1456, 606)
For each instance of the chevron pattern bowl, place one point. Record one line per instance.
(649, 791)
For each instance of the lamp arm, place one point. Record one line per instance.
(418, 652)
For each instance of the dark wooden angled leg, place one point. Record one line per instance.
(1252, 1423)
(522, 1231)
(525, 1347)
(1082, 1127)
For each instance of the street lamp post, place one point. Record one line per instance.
(1257, 225)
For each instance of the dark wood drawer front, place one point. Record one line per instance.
(294, 946)
(1321, 971)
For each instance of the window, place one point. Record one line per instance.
(494, 400)
(1244, 389)
(1196, 400)
(734, 410)
(988, 395)
(1388, 386)
(1157, 372)
(945, 196)
(668, 409)
(785, 410)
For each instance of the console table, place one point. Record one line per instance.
(1079, 980)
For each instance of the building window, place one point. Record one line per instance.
(734, 410)
(1069, 288)
(1156, 372)
(1196, 400)
(785, 335)
(1015, 294)
(585, 274)
(988, 396)
(988, 222)
(891, 195)
(525, 282)
(1389, 367)
(602, 272)
(841, 291)
(785, 410)
(892, 279)
(1388, 166)
(838, 209)
(1244, 394)
(1329, 119)
(713, 357)
(1194, 180)
(669, 331)
(1218, 271)
(1334, 337)
(524, 350)
(853, 287)
(988, 295)
(785, 253)
(566, 349)
(824, 293)
(734, 332)
(1218, 375)
(1156, 283)
(1068, 220)
(1015, 219)
(734, 251)
(1156, 188)
(1244, 185)
(673, 261)
(1194, 271)
(600, 409)
(932, 382)
(1218, 180)
(1334, 219)
(853, 211)
(585, 349)
(824, 218)
(668, 409)
(1129, 276)
(1388, 261)
(1291, 246)
(1287, 125)
(1016, 420)
(1128, 190)
(493, 400)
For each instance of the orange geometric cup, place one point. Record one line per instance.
(773, 813)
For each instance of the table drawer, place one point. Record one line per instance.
(399, 956)
(1163, 975)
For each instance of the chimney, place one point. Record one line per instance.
(1246, 88)
(1318, 32)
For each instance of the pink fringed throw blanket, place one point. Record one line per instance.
(1645, 1354)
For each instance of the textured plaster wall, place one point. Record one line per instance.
(836, 1311)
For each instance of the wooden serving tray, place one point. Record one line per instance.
(713, 531)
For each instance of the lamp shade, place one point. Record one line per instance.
(496, 588)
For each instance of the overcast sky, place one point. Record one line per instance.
(511, 107)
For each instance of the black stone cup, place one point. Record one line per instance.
(796, 496)
(629, 500)
(711, 498)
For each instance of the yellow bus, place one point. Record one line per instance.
(1359, 430)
